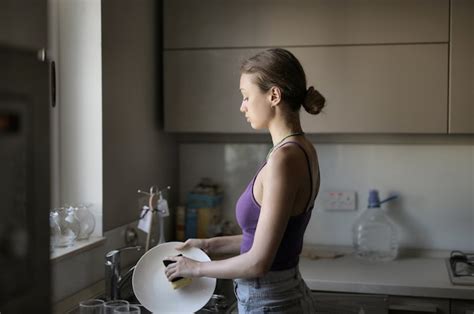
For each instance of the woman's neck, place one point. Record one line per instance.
(279, 127)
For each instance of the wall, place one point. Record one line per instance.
(82, 270)
(435, 183)
(137, 153)
(76, 120)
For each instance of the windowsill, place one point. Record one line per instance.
(79, 247)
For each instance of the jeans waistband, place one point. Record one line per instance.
(271, 277)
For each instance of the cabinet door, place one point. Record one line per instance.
(201, 91)
(369, 89)
(378, 89)
(23, 23)
(24, 183)
(257, 23)
(342, 303)
(462, 307)
(408, 305)
(461, 104)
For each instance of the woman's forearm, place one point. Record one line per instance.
(224, 244)
(241, 266)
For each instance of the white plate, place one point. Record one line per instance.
(154, 291)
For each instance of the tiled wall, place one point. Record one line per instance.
(435, 183)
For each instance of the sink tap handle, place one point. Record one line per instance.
(130, 248)
(113, 257)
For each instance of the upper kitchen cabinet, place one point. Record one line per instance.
(461, 98)
(369, 89)
(250, 23)
(381, 64)
(378, 89)
(201, 91)
(23, 24)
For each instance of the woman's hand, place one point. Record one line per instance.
(183, 267)
(197, 243)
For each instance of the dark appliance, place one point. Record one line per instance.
(24, 182)
(461, 268)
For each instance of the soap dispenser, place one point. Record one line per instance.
(375, 237)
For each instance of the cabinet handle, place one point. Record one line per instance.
(53, 83)
(423, 308)
(41, 54)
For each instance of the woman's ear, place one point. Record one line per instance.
(275, 96)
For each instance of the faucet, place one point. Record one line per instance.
(113, 278)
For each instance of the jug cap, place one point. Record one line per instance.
(374, 200)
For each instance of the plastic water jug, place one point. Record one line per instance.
(375, 237)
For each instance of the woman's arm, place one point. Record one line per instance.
(280, 185)
(215, 246)
(224, 244)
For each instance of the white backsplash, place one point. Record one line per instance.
(435, 183)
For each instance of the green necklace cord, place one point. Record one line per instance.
(281, 141)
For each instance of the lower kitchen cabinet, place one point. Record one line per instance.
(343, 303)
(354, 303)
(409, 305)
(462, 307)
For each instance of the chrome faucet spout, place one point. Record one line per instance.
(126, 277)
(113, 279)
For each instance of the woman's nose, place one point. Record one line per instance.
(242, 107)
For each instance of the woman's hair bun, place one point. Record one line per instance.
(313, 101)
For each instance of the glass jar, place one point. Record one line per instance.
(65, 227)
(86, 220)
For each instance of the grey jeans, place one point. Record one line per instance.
(276, 292)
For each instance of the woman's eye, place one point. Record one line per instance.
(246, 98)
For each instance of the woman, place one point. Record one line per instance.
(275, 208)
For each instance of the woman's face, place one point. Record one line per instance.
(255, 104)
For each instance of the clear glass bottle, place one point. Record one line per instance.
(86, 220)
(66, 226)
(55, 230)
(375, 237)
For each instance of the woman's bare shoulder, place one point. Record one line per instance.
(288, 158)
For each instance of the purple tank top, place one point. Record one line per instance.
(248, 212)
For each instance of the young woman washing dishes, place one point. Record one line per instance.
(276, 206)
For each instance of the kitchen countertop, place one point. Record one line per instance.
(409, 276)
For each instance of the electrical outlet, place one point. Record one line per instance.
(339, 200)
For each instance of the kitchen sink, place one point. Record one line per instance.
(223, 300)
(225, 289)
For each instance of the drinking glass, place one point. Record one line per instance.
(91, 306)
(111, 305)
(130, 309)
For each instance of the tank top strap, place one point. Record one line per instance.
(307, 207)
(258, 171)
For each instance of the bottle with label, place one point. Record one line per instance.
(375, 236)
